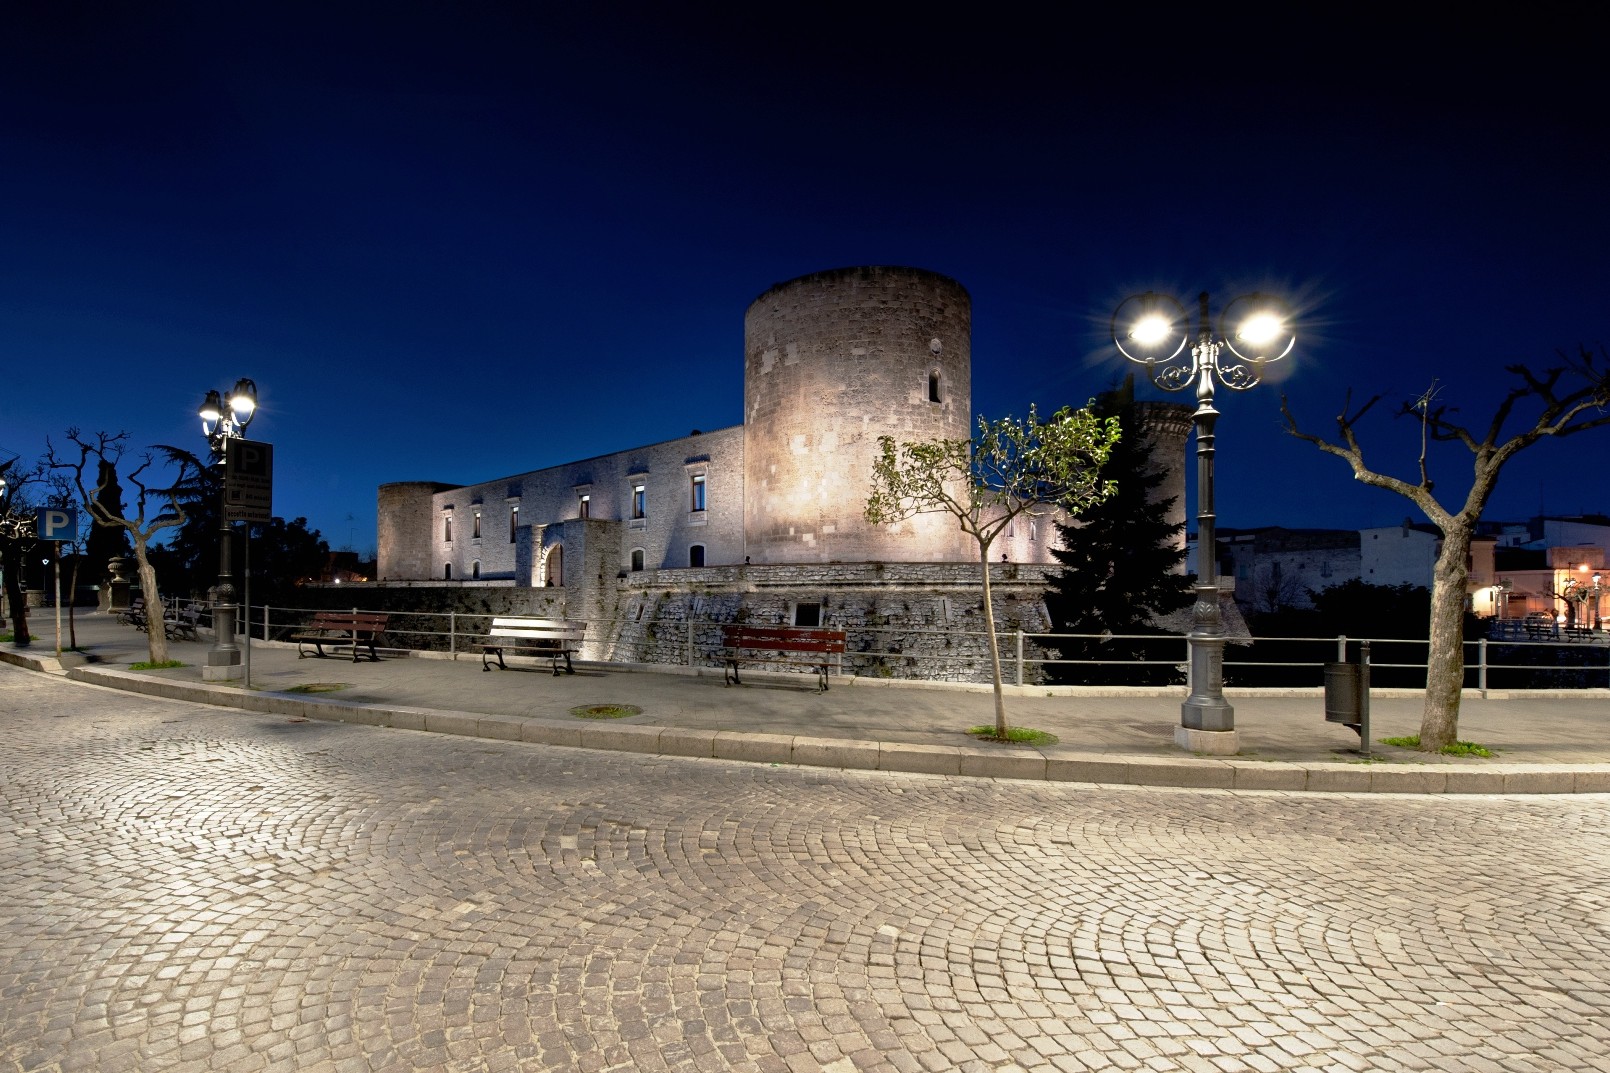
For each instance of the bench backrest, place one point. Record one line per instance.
(355, 622)
(783, 638)
(537, 629)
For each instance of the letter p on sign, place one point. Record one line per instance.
(57, 523)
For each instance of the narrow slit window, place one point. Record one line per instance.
(514, 523)
(935, 390)
(697, 489)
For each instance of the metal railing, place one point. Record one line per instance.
(1028, 658)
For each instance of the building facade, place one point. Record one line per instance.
(760, 520)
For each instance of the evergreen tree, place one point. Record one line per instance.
(1120, 569)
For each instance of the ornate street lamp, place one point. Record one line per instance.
(220, 425)
(1154, 331)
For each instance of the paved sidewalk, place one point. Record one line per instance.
(1545, 742)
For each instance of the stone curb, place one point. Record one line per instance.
(856, 754)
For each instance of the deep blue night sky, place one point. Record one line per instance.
(451, 242)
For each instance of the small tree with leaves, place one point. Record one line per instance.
(106, 451)
(1009, 469)
(1562, 401)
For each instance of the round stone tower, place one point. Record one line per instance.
(405, 528)
(832, 361)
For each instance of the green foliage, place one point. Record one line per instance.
(1458, 748)
(1014, 735)
(1009, 468)
(605, 711)
(1120, 568)
(282, 555)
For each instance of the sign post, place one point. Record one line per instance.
(248, 497)
(59, 525)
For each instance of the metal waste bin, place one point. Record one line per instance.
(1342, 693)
(1347, 695)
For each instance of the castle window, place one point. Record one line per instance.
(514, 522)
(584, 507)
(637, 559)
(696, 555)
(807, 614)
(696, 483)
(935, 392)
(476, 532)
(639, 501)
(1034, 530)
(447, 528)
(475, 569)
(447, 572)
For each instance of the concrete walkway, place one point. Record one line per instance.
(1545, 742)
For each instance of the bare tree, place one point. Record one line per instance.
(109, 449)
(1009, 469)
(17, 541)
(1569, 398)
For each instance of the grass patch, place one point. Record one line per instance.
(1458, 748)
(1014, 735)
(605, 711)
(159, 665)
(319, 687)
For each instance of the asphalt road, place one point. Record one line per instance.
(194, 888)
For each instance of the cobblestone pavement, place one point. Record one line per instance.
(193, 888)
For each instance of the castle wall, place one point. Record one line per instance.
(540, 500)
(832, 361)
(403, 533)
(902, 620)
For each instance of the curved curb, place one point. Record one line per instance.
(849, 753)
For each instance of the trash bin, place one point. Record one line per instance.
(1342, 694)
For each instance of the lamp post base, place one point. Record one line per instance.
(1210, 742)
(228, 672)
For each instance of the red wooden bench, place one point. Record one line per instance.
(338, 629)
(799, 646)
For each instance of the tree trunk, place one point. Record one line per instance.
(994, 644)
(156, 632)
(15, 600)
(1445, 658)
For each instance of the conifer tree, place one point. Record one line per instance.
(1120, 571)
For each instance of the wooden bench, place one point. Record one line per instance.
(341, 628)
(134, 614)
(182, 623)
(755, 644)
(547, 637)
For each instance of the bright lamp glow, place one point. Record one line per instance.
(212, 407)
(1260, 328)
(1151, 330)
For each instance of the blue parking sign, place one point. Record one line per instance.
(56, 523)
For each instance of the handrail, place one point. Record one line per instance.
(929, 652)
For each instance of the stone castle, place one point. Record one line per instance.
(761, 521)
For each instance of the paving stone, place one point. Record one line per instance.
(193, 888)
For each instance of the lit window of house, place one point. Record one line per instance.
(584, 507)
(697, 485)
(639, 501)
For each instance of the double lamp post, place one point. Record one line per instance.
(220, 425)
(1154, 330)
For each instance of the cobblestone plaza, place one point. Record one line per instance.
(193, 888)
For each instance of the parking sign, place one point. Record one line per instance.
(56, 523)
